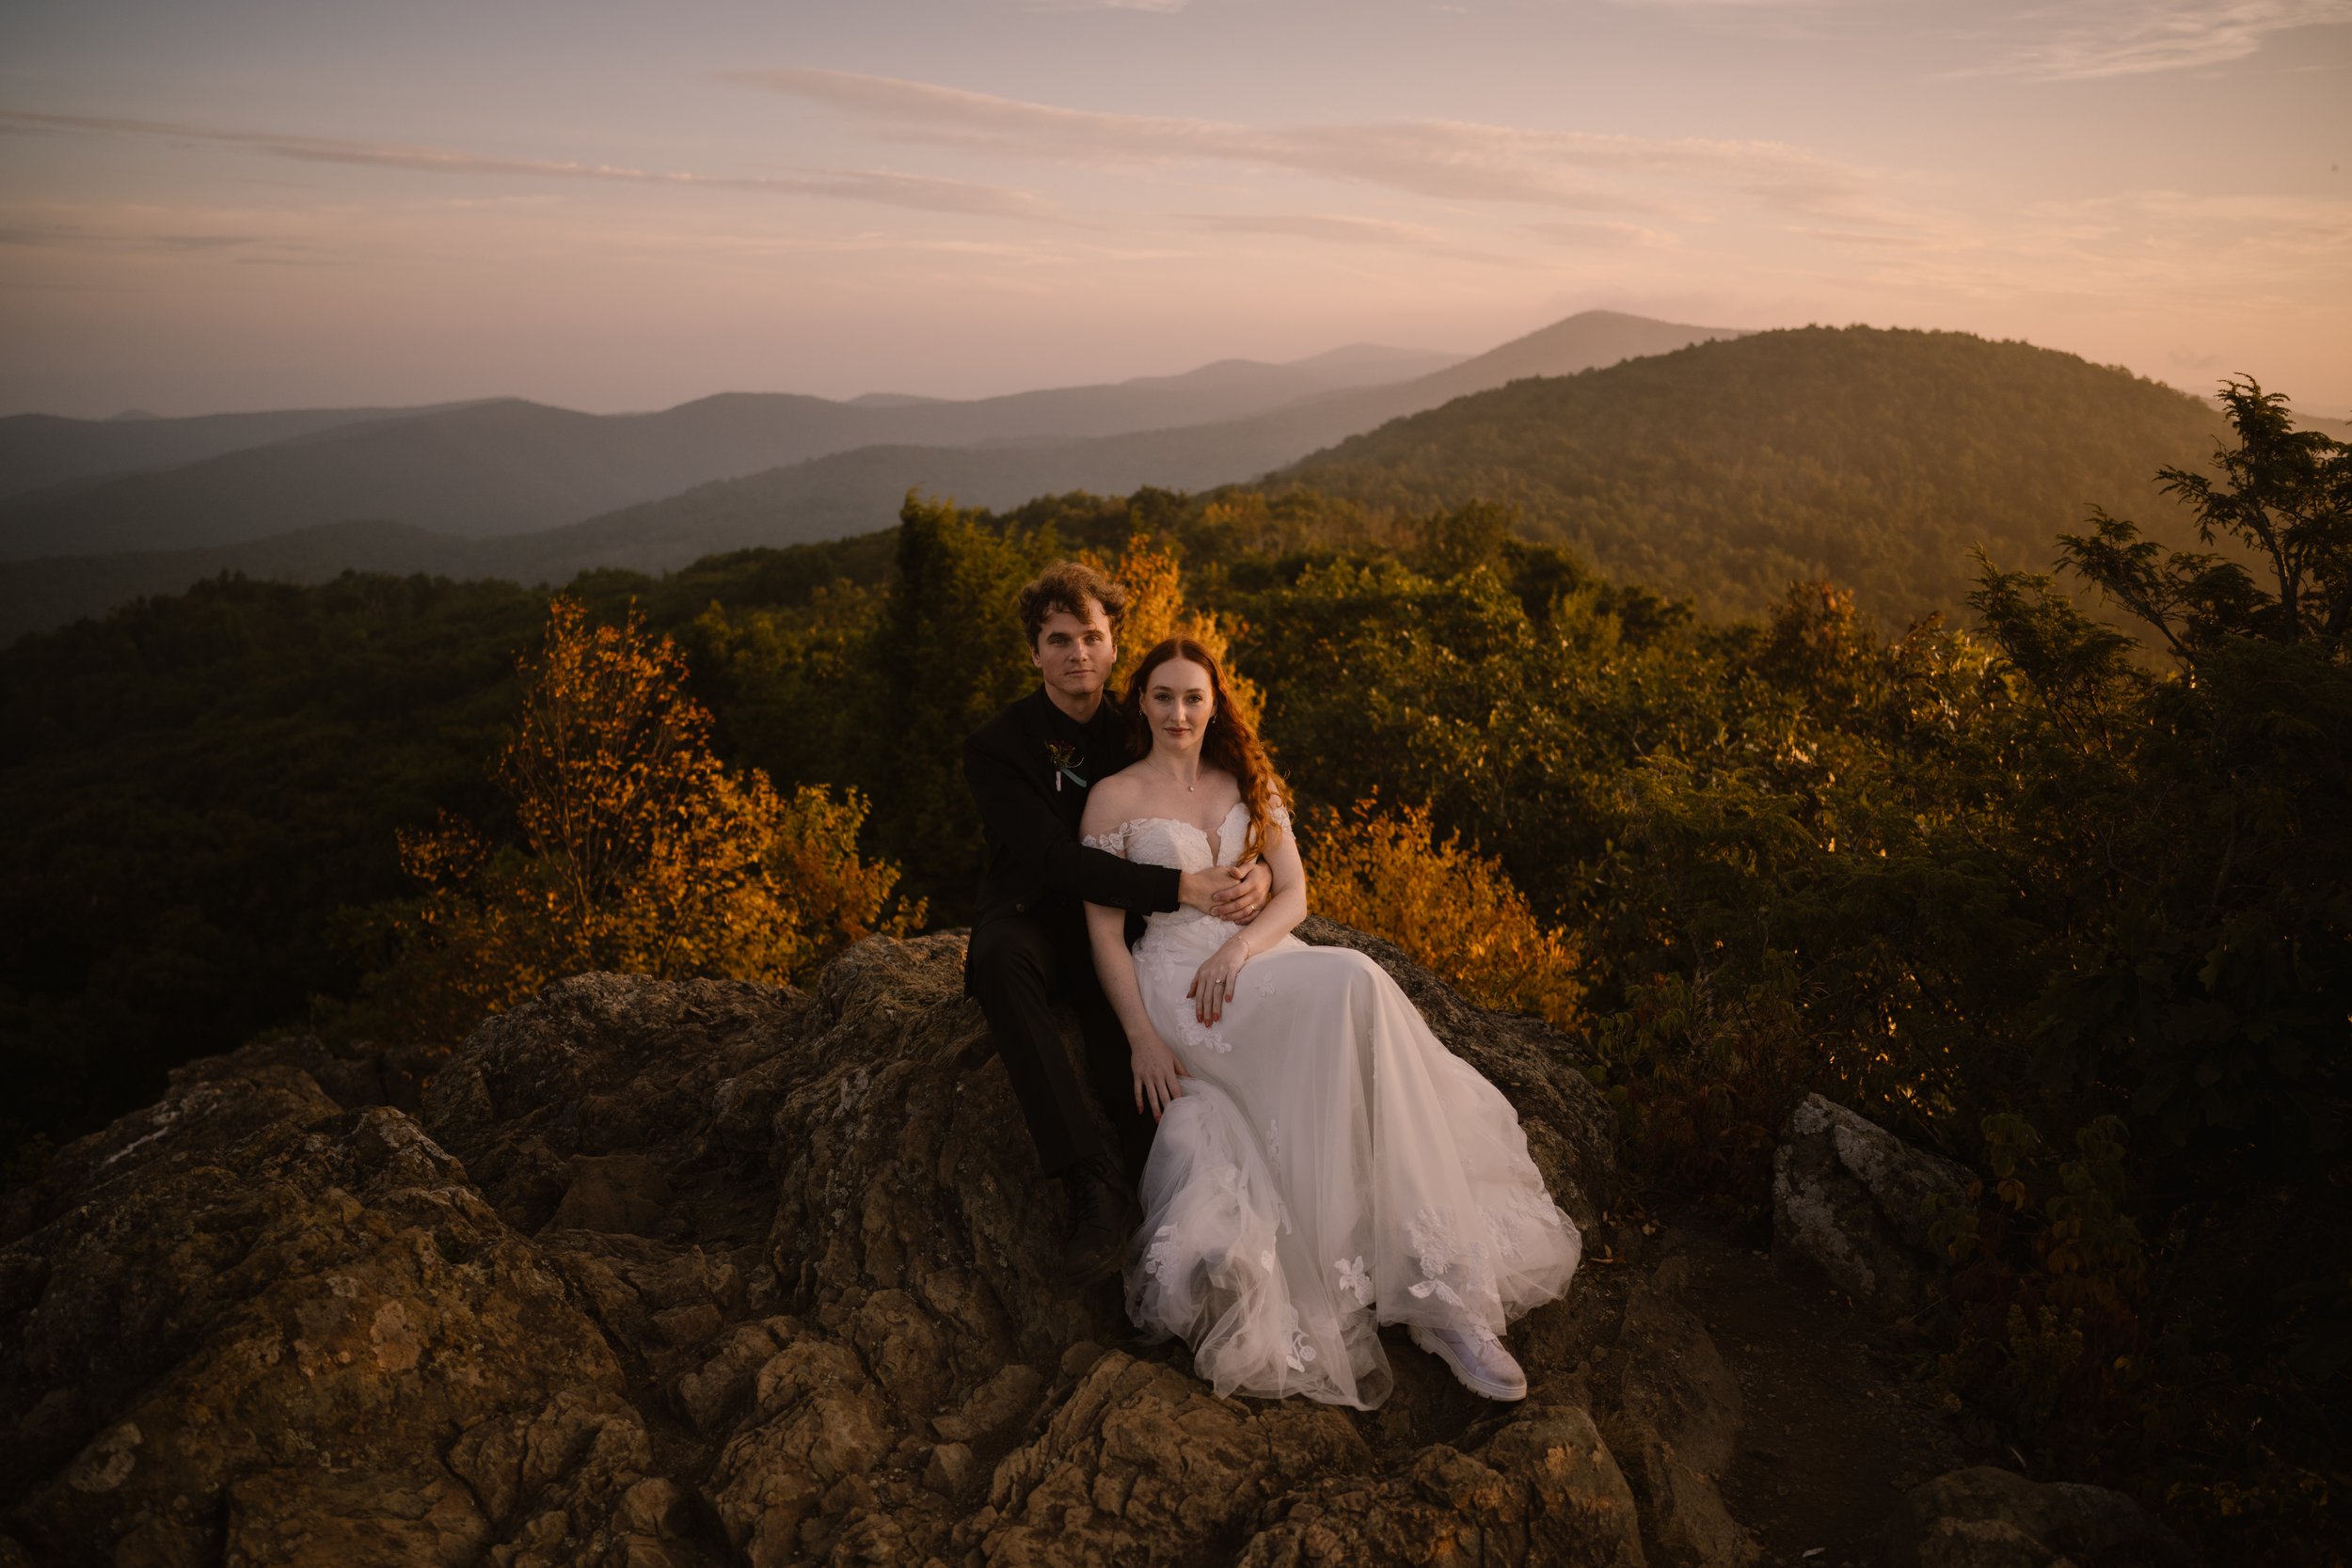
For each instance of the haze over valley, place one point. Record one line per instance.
(510, 489)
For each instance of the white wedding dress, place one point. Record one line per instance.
(1329, 1166)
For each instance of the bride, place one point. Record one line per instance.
(1323, 1164)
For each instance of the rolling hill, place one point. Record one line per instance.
(1724, 471)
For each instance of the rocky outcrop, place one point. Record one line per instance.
(1984, 1517)
(662, 1275)
(1852, 1200)
(259, 1326)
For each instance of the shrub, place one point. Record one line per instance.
(640, 851)
(1450, 907)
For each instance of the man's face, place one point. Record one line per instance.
(1075, 655)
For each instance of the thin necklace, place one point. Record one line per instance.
(1192, 788)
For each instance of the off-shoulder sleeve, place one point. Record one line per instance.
(1115, 840)
(1277, 811)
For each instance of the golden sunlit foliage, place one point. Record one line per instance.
(1450, 907)
(641, 852)
(1149, 570)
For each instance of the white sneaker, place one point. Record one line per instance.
(1477, 1357)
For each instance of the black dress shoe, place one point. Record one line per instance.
(1101, 1220)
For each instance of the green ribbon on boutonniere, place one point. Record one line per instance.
(1065, 765)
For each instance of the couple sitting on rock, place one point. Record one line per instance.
(1321, 1163)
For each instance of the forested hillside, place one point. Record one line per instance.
(1724, 471)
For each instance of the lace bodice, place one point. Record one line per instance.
(1170, 841)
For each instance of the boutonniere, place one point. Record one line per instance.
(1065, 765)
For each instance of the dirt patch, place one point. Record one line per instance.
(1839, 1420)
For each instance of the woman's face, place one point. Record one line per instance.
(1178, 702)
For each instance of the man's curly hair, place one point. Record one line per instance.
(1068, 586)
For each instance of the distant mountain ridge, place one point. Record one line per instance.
(860, 490)
(41, 450)
(507, 466)
(844, 492)
(1722, 469)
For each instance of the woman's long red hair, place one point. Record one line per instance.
(1230, 742)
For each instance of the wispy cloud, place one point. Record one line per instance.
(2170, 254)
(1451, 160)
(53, 235)
(924, 193)
(2133, 37)
(2040, 39)
(132, 232)
(1338, 229)
(1600, 236)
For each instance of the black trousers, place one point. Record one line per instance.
(1018, 967)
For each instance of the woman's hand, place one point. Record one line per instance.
(1156, 1070)
(1213, 982)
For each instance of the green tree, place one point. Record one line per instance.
(2285, 496)
(2213, 993)
(948, 654)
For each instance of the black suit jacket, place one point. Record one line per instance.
(1036, 866)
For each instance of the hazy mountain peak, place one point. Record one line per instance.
(1586, 340)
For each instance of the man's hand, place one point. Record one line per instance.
(1199, 890)
(1242, 900)
(1155, 1069)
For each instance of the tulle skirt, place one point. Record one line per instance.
(1330, 1167)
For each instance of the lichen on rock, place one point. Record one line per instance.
(1852, 1199)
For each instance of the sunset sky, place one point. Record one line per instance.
(208, 206)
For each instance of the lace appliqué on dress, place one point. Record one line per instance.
(1433, 1241)
(1199, 1035)
(1437, 1288)
(1274, 1138)
(1300, 1351)
(1115, 840)
(1155, 1255)
(1353, 1279)
(1431, 1235)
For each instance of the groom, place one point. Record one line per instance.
(1029, 770)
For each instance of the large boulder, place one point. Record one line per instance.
(670, 1274)
(1854, 1200)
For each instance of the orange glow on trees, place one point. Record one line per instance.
(642, 851)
